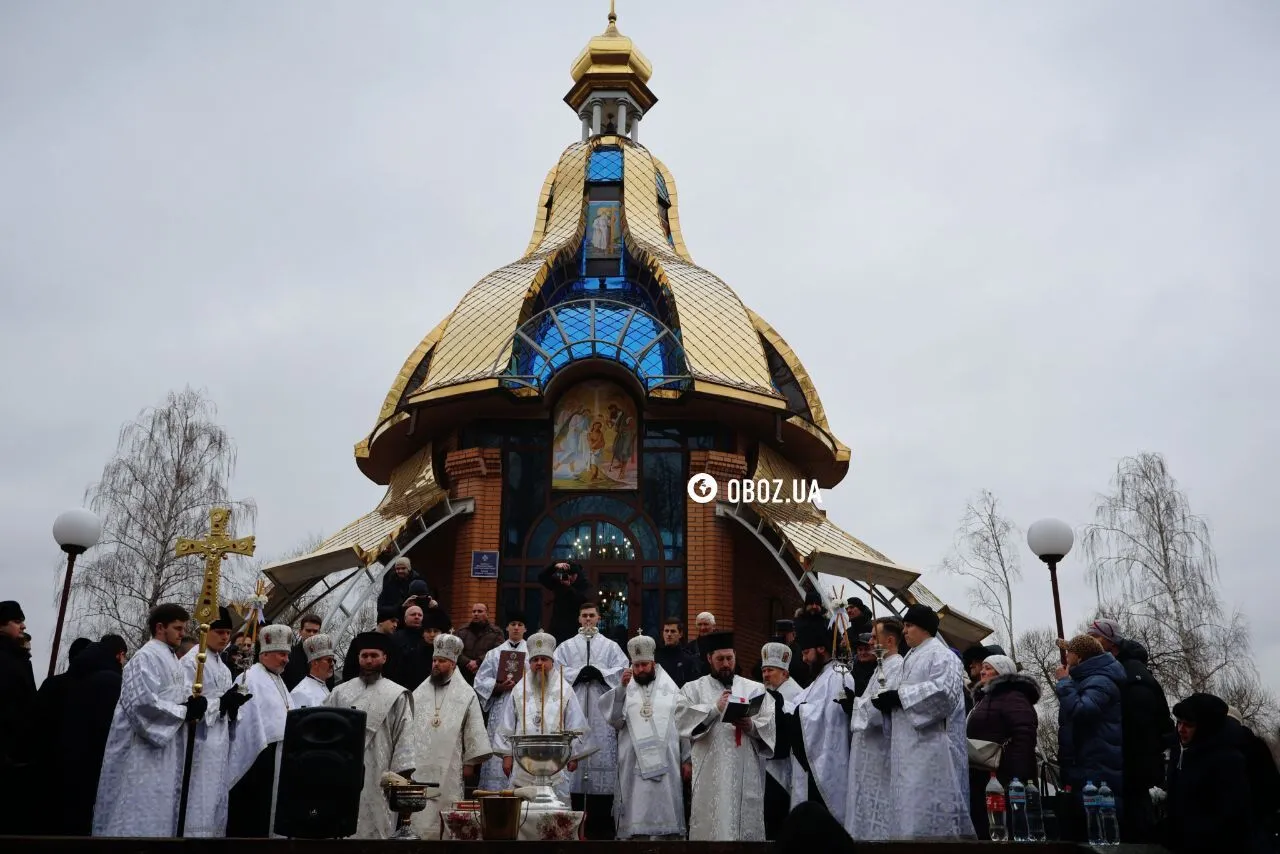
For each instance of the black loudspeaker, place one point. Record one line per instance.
(321, 773)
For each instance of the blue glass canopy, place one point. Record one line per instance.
(596, 329)
(605, 165)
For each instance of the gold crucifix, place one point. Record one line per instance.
(214, 547)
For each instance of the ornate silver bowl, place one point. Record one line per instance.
(542, 756)
(404, 802)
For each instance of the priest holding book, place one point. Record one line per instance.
(728, 758)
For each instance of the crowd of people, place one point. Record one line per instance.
(672, 740)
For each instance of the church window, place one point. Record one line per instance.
(785, 383)
(605, 165)
(663, 195)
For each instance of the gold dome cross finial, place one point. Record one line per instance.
(612, 29)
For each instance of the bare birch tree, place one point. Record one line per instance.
(986, 553)
(172, 464)
(1155, 571)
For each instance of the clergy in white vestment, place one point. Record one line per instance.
(643, 709)
(493, 686)
(388, 731)
(321, 657)
(258, 737)
(820, 748)
(868, 811)
(728, 759)
(142, 766)
(928, 748)
(593, 664)
(775, 669)
(449, 739)
(542, 702)
(211, 759)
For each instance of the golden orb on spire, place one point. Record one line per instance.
(611, 61)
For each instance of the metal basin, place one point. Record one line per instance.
(543, 755)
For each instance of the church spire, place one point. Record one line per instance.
(610, 83)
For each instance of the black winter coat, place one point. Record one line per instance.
(1209, 806)
(1005, 712)
(679, 663)
(565, 600)
(395, 589)
(84, 724)
(1146, 722)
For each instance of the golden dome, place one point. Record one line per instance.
(732, 358)
(611, 61)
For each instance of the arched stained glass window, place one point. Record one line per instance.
(605, 165)
(596, 329)
(663, 195)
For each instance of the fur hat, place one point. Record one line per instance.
(11, 612)
(276, 638)
(447, 647)
(1207, 712)
(388, 612)
(514, 616)
(781, 627)
(541, 644)
(436, 618)
(641, 648)
(922, 616)
(776, 655)
(317, 646)
(1084, 646)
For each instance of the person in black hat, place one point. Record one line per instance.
(1210, 803)
(929, 751)
(388, 620)
(818, 729)
(17, 694)
(726, 803)
(569, 588)
(502, 668)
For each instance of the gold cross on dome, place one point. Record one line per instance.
(214, 547)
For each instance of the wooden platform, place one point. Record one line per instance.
(75, 845)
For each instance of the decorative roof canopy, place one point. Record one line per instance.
(611, 61)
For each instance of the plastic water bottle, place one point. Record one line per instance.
(1018, 812)
(1090, 797)
(1035, 813)
(1107, 823)
(996, 810)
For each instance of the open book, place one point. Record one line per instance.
(740, 707)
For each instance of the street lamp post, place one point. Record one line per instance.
(76, 531)
(1051, 540)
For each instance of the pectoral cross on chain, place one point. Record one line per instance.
(214, 548)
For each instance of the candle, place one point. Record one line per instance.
(524, 706)
(562, 698)
(542, 726)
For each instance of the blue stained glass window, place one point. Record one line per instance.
(605, 165)
(675, 575)
(663, 195)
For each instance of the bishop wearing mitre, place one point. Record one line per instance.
(321, 657)
(449, 738)
(259, 735)
(650, 799)
(388, 730)
(728, 758)
(542, 702)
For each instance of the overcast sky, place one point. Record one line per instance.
(1012, 243)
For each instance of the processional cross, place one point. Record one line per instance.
(214, 547)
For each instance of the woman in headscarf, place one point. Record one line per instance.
(1004, 712)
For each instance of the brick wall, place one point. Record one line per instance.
(709, 542)
(474, 473)
(761, 594)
